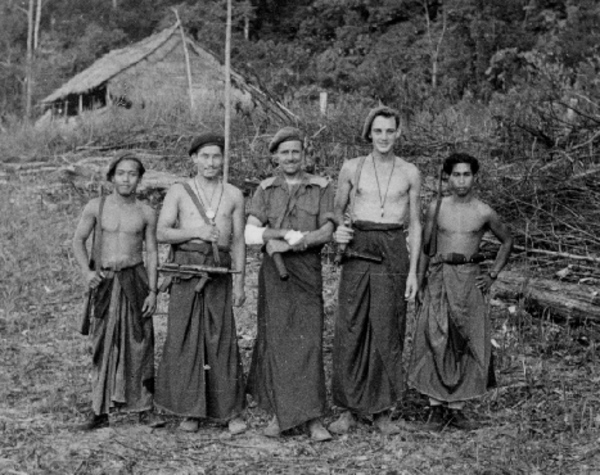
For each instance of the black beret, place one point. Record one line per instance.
(286, 134)
(118, 159)
(209, 138)
(376, 112)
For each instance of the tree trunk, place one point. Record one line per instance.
(38, 20)
(562, 299)
(29, 60)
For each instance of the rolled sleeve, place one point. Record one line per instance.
(326, 206)
(258, 206)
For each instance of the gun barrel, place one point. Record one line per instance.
(195, 269)
(280, 265)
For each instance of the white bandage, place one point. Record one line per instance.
(253, 235)
(293, 237)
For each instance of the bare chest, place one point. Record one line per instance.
(461, 221)
(381, 183)
(189, 214)
(127, 220)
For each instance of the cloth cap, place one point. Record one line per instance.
(285, 135)
(210, 138)
(373, 113)
(112, 167)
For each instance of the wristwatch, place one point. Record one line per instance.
(493, 274)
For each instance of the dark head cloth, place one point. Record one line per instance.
(378, 111)
(285, 135)
(210, 138)
(118, 159)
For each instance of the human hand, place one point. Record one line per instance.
(277, 245)
(207, 232)
(343, 234)
(412, 287)
(293, 237)
(93, 278)
(149, 306)
(419, 297)
(239, 296)
(484, 282)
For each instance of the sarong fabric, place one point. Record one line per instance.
(200, 374)
(286, 374)
(370, 327)
(452, 345)
(122, 343)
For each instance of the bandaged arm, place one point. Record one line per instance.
(253, 235)
(256, 234)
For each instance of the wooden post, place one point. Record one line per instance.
(80, 103)
(227, 93)
(29, 60)
(187, 63)
(323, 102)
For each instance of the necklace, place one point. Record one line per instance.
(210, 213)
(384, 198)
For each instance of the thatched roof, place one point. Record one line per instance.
(111, 64)
(116, 63)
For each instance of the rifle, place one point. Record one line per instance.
(351, 254)
(204, 272)
(94, 263)
(341, 248)
(430, 247)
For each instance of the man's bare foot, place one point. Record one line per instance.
(94, 422)
(460, 421)
(318, 433)
(236, 426)
(151, 419)
(384, 424)
(272, 430)
(189, 425)
(343, 423)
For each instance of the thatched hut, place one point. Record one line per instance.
(162, 68)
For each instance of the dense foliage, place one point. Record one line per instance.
(412, 53)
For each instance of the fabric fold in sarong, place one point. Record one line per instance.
(122, 343)
(369, 335)
(286, 375)
(200, 374)
(452, 347)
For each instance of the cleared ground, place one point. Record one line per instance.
(543, 418)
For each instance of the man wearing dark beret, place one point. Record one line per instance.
(291, 215)
(376, 196)
(122, 293)
(200, 375)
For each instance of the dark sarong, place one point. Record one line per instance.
(371, 323)
(286, 375)
(452, 345)
(200, 374)
(122, 343)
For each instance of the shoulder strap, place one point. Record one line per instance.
(430, 247)
(200, 208)
(354, 189)
(97, 236)
(196, 201)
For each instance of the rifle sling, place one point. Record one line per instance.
(354, 189)
(97, 237)
(200, 209)
(431, 245)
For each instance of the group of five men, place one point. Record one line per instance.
(292, 215)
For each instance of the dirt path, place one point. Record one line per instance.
(544, 418)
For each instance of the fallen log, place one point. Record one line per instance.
(572, 302)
